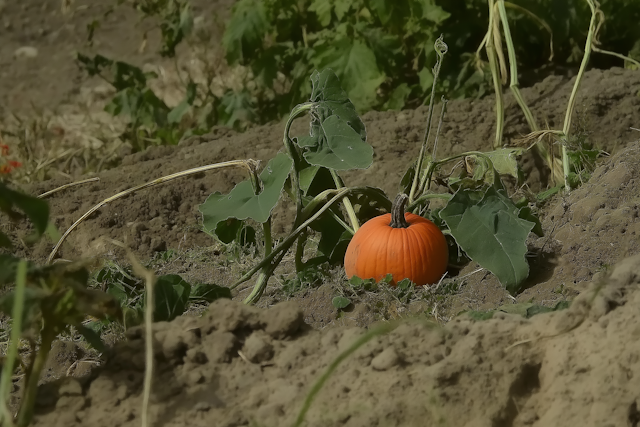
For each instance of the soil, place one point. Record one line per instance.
(238, 365)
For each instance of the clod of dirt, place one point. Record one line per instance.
(238, 365)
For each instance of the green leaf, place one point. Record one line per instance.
(341, 8)
(314, 179)
(383, 9)
(226, 231)
(541, 197)
(246, 236)
(92, 337)
(504, 160)
(527, 213)
(209, 292)
(340, 302)
(242, 202)
(426, 79)
(356, 281)
(355, 63)
(340, 148)
(37, 210)
(235, 108)
(171, 297)
(405, 284)
(432, 12)
(245, 30)
(331, 99)
(492, 234)
(398, 97)
(322, 9)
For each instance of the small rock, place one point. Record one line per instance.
(70, 387)
(283, 320)
(385, 360)
(219, 346)
(196, 356)
(122, 392)
(201, 407)
(174, 347)
(195, 377)
(227, 315)
(158, 245)
(257, 349)
(25, 52)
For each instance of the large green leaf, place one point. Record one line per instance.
(330, 98)
(171, 297)
(341, 147)
(242, 202)
(491, 232)
(337, 137)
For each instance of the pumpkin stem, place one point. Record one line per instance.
(397, 212)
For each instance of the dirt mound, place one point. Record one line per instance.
(239, 365)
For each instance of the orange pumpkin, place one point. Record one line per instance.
(402, 244)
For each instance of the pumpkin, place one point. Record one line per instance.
(405, 245)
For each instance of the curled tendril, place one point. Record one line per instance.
(441, 46)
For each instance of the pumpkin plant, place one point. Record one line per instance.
(308, 171)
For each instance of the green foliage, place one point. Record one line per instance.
(172, 294)
(338, 138)
(246, 201)
(311, 276)
(175, 19)
(380, 48)
(150, 120)
(372, 46)
(340, 302)
(337, 141)
(489, 228)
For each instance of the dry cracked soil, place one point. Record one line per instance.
(236, 365)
